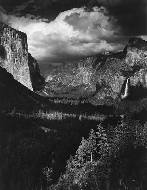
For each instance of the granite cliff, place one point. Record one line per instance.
(14, 57)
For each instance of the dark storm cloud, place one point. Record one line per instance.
(56, 4)
(45, 8)
(131, 14)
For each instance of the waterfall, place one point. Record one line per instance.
(126, 89)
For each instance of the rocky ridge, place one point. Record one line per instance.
(104, 78)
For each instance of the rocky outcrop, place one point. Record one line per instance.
(15, 59)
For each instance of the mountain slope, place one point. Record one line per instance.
(102, 79)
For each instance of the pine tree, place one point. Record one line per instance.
(88, 169)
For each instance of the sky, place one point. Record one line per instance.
(60, 31)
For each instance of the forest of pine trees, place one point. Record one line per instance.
(109, 160)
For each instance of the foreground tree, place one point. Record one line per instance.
(89, 168)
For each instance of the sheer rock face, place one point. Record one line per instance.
(14, 56)
(36, 78)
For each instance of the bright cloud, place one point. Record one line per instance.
(74, 33)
